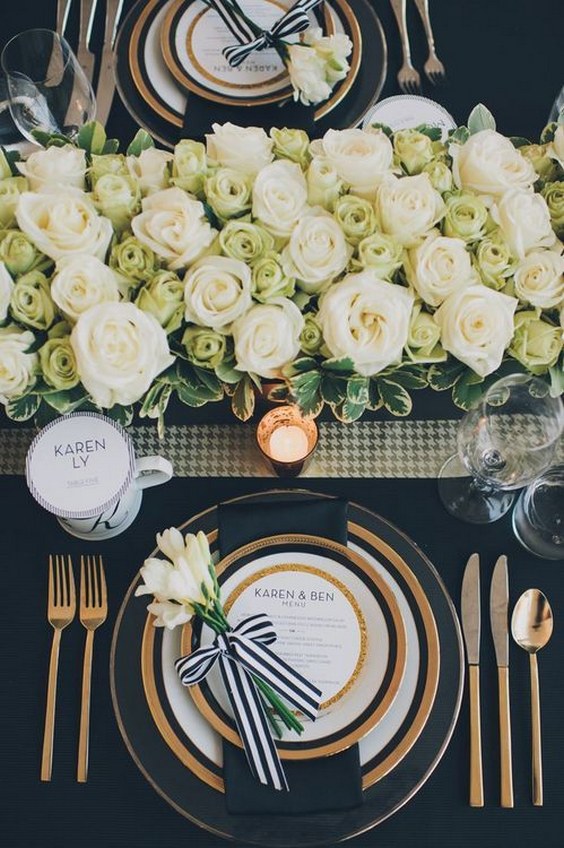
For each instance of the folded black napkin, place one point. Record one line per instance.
(328, 783)
(201, 114)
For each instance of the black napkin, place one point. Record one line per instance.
(201, 114)
(328, 783)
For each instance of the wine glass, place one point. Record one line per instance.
(47, 88)
(503, 444)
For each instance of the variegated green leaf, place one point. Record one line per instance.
(394, 397)
(305, 390)
(209, 379)
(460, 135)
(467, 390)
(300, 366)
(227, 372)
(374, 400)
(333, 389)
(348, 412)
(65, 402)
(445, 375)
(278, 393)
(23, 408)
(357, 390)
(343, 365)
(243, 400)
(409, 378)
(434, 133)
(122, 414)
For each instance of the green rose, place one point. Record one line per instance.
(553, 193)
(10, 190)
(291, 144)
(133, 260)
(423, 340)
(163, 297)
(440, 175)
(204, 347)
(19, 254)
(189, 166)
(324, 185)
(311, 337)
(269, 280)
(494, 261)
(413, 150)
(537, 156)
(117, 197)
(31, 303)
(58, 364)
(245, 241)
(380, 252)
(466, 217)
(109, 163)
(536, 344)
(356, 217)
(5, 170)
(229, 193)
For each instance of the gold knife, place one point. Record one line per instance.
(470, 614)
(106, 80)
(499, 603)
(86, 58)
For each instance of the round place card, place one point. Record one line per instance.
(406, 110)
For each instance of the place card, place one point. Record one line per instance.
(405, 111)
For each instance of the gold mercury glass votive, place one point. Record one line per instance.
(287, 440)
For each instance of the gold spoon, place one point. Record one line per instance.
(531, 626)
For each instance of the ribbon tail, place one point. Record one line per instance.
(194, 667)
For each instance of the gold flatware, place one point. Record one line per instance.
(85, 56)
(63, 8)
(106, 80)
(531, 626)
(433, 67)
(499, 602)
(93, 613)
(61, 608)
(470, 615)
(408, 78)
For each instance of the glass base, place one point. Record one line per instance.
(465, 498)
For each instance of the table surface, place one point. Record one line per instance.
(508, 55)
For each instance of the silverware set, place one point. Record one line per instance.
(61, 610)
(531, 627)
(409, 78)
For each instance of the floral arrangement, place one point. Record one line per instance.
(349, 270)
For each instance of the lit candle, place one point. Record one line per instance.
(288, 443)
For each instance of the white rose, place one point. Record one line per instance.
(539, 279)
(63, 222)
(307, 75)
(245, 149)
(366, 319)
(174, 226)
(489, 164)
(556, 147)
(119, 351)
(17, 367)
(81, 282)
(477, 326)
(268, 337)
(408, 208)
(150, 169)
(316, 253)
(279, 197)
(55, 166)
(524, 220)
(217, 290)
(438, 267)
(362, 158)
(6, 289)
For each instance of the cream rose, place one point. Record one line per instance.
(6, 289)
(279, 197)
(217, 290)
(316, 253)
(80, 282)
(539, 279)
(408, 208)
(438, 267)
(366, 319)
(55, 166)
(245, 149)
(63, 222)
(119, 351)
(477, 326)
(488, 163)
(524, 221)
(17, 366)
(268, 337)
(174, 226)
(151, 169)
(361, 158)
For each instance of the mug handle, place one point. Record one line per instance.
(152, 471)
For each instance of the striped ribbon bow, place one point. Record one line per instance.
(243, 653)
(293, 21)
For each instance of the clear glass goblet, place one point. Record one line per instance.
(47, 88)
(503, 444)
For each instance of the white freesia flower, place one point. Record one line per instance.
(217, 290)
(81, 282)
(279, 197)
(556, 147)
(168, 614)
(438, 267)
(524, 221)
(63, 222)
(333, 49)
(150, 169)
(174, 226)
(307, 74)
(119, 351)
(55, 166)
(367, 320)
(408, 208)
(477, 326)
(17, 366)
(539, 279)
(245, 149)
(6, 289)
(317, 251)
(268, 337)
(362, 158)
(488, 163)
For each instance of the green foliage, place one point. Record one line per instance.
(23, 408)
(480, 118)
(141, 142)
(243, 399)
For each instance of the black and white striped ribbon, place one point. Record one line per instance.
(243, 653)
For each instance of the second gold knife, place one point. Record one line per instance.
(499, 619)
(470, 615)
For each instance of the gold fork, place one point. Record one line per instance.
(61, 608)
(408, 78)
(433, 67)
(93, 613)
